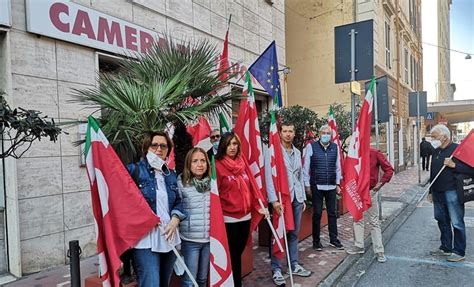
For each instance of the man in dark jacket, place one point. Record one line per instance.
(322, 176)
(448, 210)
(426, 149)
(214, 138)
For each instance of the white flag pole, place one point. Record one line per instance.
(436, 177)
(181, 261)
(271, 227)
(287, 252)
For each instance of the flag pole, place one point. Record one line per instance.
(287, 251)
(271, 227)
(180, 259)
(436, 177)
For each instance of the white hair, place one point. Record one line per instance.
(441, 130)
(323, 127)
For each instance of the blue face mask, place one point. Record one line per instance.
(325, 138)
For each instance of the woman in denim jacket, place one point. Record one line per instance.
(194, 186)
(153, 258)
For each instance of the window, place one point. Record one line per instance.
(261, 102)
(412, 71)
(388, 60)
(406, 66)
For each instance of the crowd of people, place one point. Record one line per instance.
(183, 202)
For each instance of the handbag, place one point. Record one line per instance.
(465, 188)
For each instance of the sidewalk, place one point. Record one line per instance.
(322, 263)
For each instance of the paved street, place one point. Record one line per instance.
(409, 262)
(397, 195)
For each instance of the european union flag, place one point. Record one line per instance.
(265, 71)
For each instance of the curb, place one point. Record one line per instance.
(364, 261)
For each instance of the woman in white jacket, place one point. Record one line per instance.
(194, 186)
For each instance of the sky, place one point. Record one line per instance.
(462, 39)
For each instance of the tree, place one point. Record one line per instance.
(21, 127)
(174, 82)
(299, 116)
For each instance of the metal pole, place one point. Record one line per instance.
(74, 253)
(377, 145)
(418, 132)
(353, 96)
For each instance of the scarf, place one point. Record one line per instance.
(235, 166)
(202, 185)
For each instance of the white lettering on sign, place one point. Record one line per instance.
(5, 17)
(81, 25)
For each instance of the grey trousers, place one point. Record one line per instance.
(372, 215)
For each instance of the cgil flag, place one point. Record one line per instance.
(335, 135)
(280, 183)
(357, 164)
(121, 214)
(265, 71)
(248, 130)
(220, 273)
(464, 150)
(199, 131)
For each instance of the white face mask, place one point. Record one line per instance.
(156, 162)
(436, 143)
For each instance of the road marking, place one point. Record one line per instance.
(67, 275)
(323, 262)
(63, 284)
(312, 255)
(441, 262)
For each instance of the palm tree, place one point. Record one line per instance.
(174, 82)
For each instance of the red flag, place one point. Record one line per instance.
(122, 216)
(248, 130)
(335, 136)
(464, 151)
(280, 182)
(357, 164)
(200, 130)
(224, 60)
(220, 273)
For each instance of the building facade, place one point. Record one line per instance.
(47, 49)
(445, 90)
(397, 54)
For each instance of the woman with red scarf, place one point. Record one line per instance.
(239, 196)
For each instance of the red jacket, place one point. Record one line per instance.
(377, 161)
(236, 201)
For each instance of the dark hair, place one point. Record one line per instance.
(148, 138)
(226, 138)
(187, 174)
(287, 122)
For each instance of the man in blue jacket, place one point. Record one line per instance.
(322, 176)
(448, 210)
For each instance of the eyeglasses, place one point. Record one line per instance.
(215, 137)
(155, 146)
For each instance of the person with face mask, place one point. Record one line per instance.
(322, 177)
(153, 258)
(214, 138)
(448, 210)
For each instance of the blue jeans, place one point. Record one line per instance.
(152, 268)
(196, 256)
(292, 237)
(450, 216)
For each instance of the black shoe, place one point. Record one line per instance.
(318, 246)
(336, 244)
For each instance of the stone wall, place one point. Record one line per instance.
(53, 192)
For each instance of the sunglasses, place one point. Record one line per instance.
(155, 146)
(215, 137)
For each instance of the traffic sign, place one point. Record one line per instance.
(429, 115)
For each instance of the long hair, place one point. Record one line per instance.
(226, 138)
(187, 175)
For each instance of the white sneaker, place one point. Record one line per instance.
(278, 278)
(300, 271)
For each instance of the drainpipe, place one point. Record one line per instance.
(397, 32)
